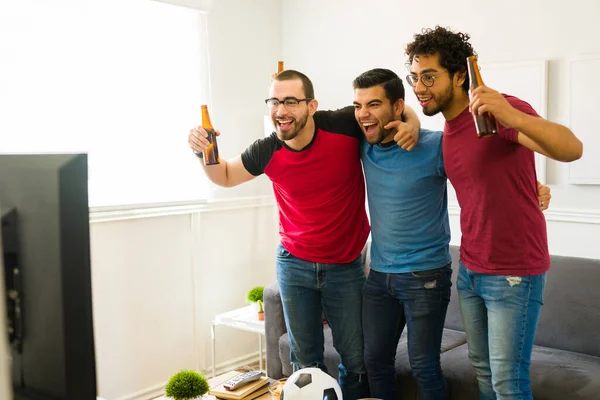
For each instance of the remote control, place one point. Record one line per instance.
(240, 380)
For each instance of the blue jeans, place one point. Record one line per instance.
(309, 291)
(500, 314)
(418, 300)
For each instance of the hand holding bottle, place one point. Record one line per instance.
(486, 100)
(198, 139)
(203, 140)
(485, 123)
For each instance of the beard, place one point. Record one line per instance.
(377, 139)
(381, 133)
(442, 101)
(296, 126)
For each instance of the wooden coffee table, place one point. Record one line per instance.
(217, 380)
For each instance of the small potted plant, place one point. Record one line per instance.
(186, 385)
(255, 295)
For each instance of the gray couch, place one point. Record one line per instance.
(566, 355)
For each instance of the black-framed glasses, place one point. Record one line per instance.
(289, 102)
(426, 79)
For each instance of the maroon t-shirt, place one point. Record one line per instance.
(320, 190)
(503, 229)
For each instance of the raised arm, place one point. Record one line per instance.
(227, 173)
(548, 138)
(538, 134)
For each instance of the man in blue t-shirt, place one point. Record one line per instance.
(410, 277)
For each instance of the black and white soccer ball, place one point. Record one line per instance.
(311, 384)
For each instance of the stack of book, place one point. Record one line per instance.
(258, 390)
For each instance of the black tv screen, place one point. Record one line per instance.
(47, 279)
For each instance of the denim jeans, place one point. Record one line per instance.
(309, 291)
(500, 315)
(418, 300)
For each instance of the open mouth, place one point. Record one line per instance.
(425, 100)
(285, 123)
(370, 127)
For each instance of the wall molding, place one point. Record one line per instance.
(136, 211)
(555, 214)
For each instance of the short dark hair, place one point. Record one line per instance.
(453, 49)
(290, 74)
(391, 83)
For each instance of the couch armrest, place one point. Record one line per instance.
(274, 328)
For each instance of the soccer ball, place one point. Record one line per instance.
(311, 384)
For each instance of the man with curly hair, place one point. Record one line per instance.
(504, 248)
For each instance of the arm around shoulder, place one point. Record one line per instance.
(411, 118)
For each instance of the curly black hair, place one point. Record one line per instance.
(453, 49)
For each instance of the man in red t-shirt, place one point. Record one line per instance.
(504, 248)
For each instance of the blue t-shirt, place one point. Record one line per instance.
(408, 205)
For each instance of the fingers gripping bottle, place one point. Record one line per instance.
(485, 123)
(211, 154)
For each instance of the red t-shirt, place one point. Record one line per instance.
(320, 190)
(503, 229)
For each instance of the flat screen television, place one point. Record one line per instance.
(47, 346)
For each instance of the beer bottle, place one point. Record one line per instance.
(279, 67)
(485, 123)
(211, 154)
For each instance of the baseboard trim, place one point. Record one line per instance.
(556, 214)
(158, 390)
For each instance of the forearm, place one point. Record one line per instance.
(410, 118)
(556, 141)
(216, 173)
(228, 173)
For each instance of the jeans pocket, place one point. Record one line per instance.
(282, 252)
(432, 273)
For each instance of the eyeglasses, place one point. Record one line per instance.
(426, 79)
(289, 102)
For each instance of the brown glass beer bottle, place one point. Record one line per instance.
(211, 154)
(485, 123)
(279, 67)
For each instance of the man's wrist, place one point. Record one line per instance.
(518, 121)
(199, 155)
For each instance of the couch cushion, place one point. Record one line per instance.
(555, 374)
(450, 340)
(570, 318)
(559, 374)
(459, 374)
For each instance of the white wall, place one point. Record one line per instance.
(334, 41)
(158, 282)
(245, 45)
(154, 292)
